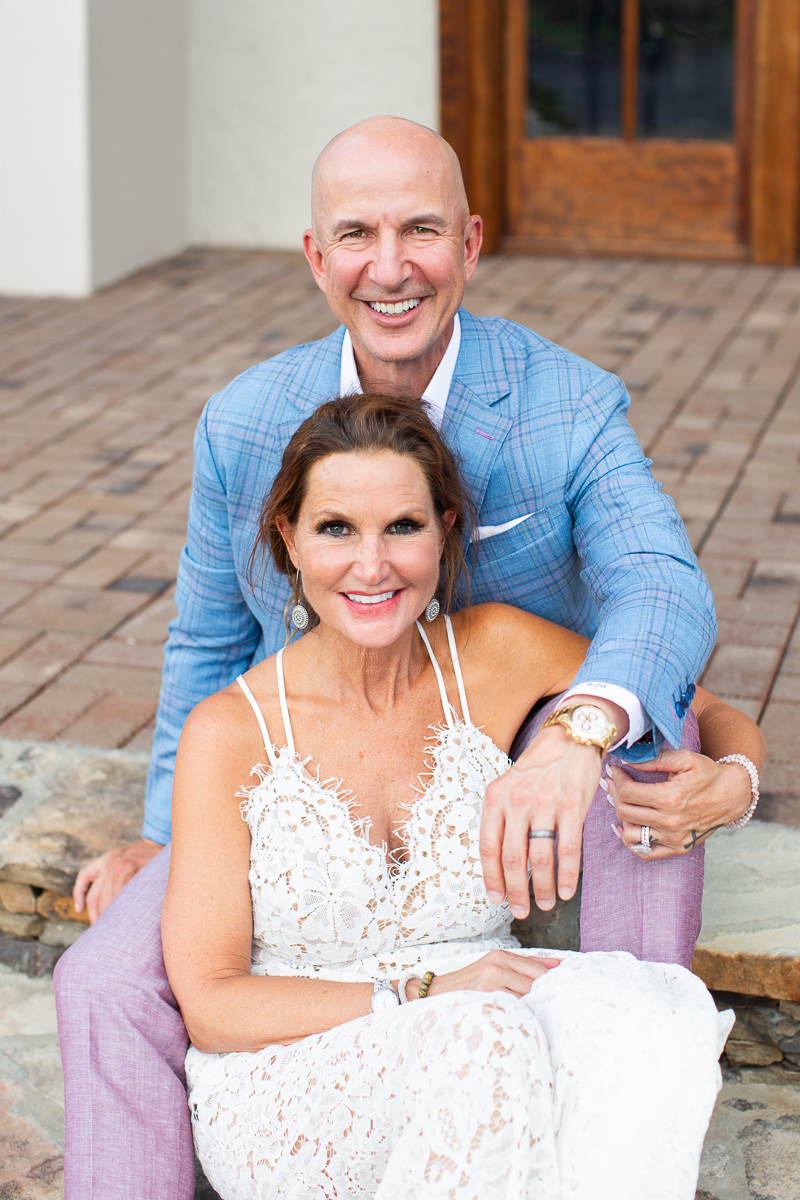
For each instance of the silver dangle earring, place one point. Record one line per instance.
(433, 610)
(299, 612)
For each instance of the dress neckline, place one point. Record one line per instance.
(447, 707)
(345, 797)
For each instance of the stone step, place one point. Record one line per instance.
(750, 938)
(64, 805)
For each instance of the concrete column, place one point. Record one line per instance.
(92, 140)
(45, 244)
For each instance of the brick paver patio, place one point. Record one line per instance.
(99, 397)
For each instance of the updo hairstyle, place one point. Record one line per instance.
(367, 424)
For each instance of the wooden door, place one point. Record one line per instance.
(650, 127)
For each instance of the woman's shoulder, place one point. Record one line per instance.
(227, 716)
(495, 624)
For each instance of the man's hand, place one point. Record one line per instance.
(104, 878)
(699, 797)
(551, 786)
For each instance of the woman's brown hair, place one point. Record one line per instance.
(367, 424)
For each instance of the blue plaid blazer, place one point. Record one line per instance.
(539, 431)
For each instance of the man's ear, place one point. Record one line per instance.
(315, 259)
(285, 530)
(473, 240)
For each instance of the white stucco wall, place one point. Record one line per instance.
(137, 85)
(44, 148)
(93, 98)
(271, 81)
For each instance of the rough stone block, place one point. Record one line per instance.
(750, 938)
(20, 925)
(754, 1054)
(57, 908)
(558, 929)
(61, 933)
(29, 957)
(17, 898)
(75, 803)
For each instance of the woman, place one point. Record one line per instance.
(362, 1021)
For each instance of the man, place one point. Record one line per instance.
(571, 526)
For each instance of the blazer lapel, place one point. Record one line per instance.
(473, 428)
(319, 376)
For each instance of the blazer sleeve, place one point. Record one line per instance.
(212, 639)
(657, 625)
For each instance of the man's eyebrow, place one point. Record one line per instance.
(434, 219)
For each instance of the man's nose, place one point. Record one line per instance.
(390, 267)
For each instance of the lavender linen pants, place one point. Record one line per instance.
(128, 1133)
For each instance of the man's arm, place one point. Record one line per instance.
(656, 629)
(211, 641)
(656, 612)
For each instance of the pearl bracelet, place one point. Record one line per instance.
(750, 767)
(402, 984)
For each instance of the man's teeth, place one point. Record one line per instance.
(371, 599)
(401, 306)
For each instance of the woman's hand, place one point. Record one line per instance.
(699, 797)
(498, 971)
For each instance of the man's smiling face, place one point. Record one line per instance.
(393, 245)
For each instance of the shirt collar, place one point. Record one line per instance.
(435, 393)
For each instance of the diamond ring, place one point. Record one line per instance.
(643, 846)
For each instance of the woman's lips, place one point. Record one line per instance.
(367, 606)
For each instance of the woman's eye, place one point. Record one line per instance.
(335, 529)
(405, 527)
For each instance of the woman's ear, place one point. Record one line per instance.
(448, 519)
(285, 530)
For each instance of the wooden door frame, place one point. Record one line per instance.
(482, 115)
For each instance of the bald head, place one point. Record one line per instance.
(392, 147)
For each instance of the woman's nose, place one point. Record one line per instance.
(370, 565)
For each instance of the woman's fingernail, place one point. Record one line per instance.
(604, 784)
(609, 772)
(617, 831)
(496, 897)
(518, 911)
(610, 800)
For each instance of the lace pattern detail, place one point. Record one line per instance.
(324, 896)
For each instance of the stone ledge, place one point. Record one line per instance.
(750, 939)
(750, 974)
(68, 804)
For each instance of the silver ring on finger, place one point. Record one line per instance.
(537, 833)
(643, 846)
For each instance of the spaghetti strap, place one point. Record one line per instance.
(262, 724)
(287, 724)
(448, 712)
(462, 695)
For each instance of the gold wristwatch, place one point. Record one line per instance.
(585, 723)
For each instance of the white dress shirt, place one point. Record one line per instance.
(435, 396)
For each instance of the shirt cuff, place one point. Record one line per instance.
(638, 721)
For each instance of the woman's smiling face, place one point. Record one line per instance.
(367, 544)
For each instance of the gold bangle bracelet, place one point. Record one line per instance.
(427, 980)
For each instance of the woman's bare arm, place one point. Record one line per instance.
(207, 916)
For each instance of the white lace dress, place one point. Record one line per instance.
(598, 1084)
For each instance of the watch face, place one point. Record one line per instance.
(385, 997)
(590, 721)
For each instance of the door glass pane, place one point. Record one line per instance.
(686, 69)
(574, 68)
